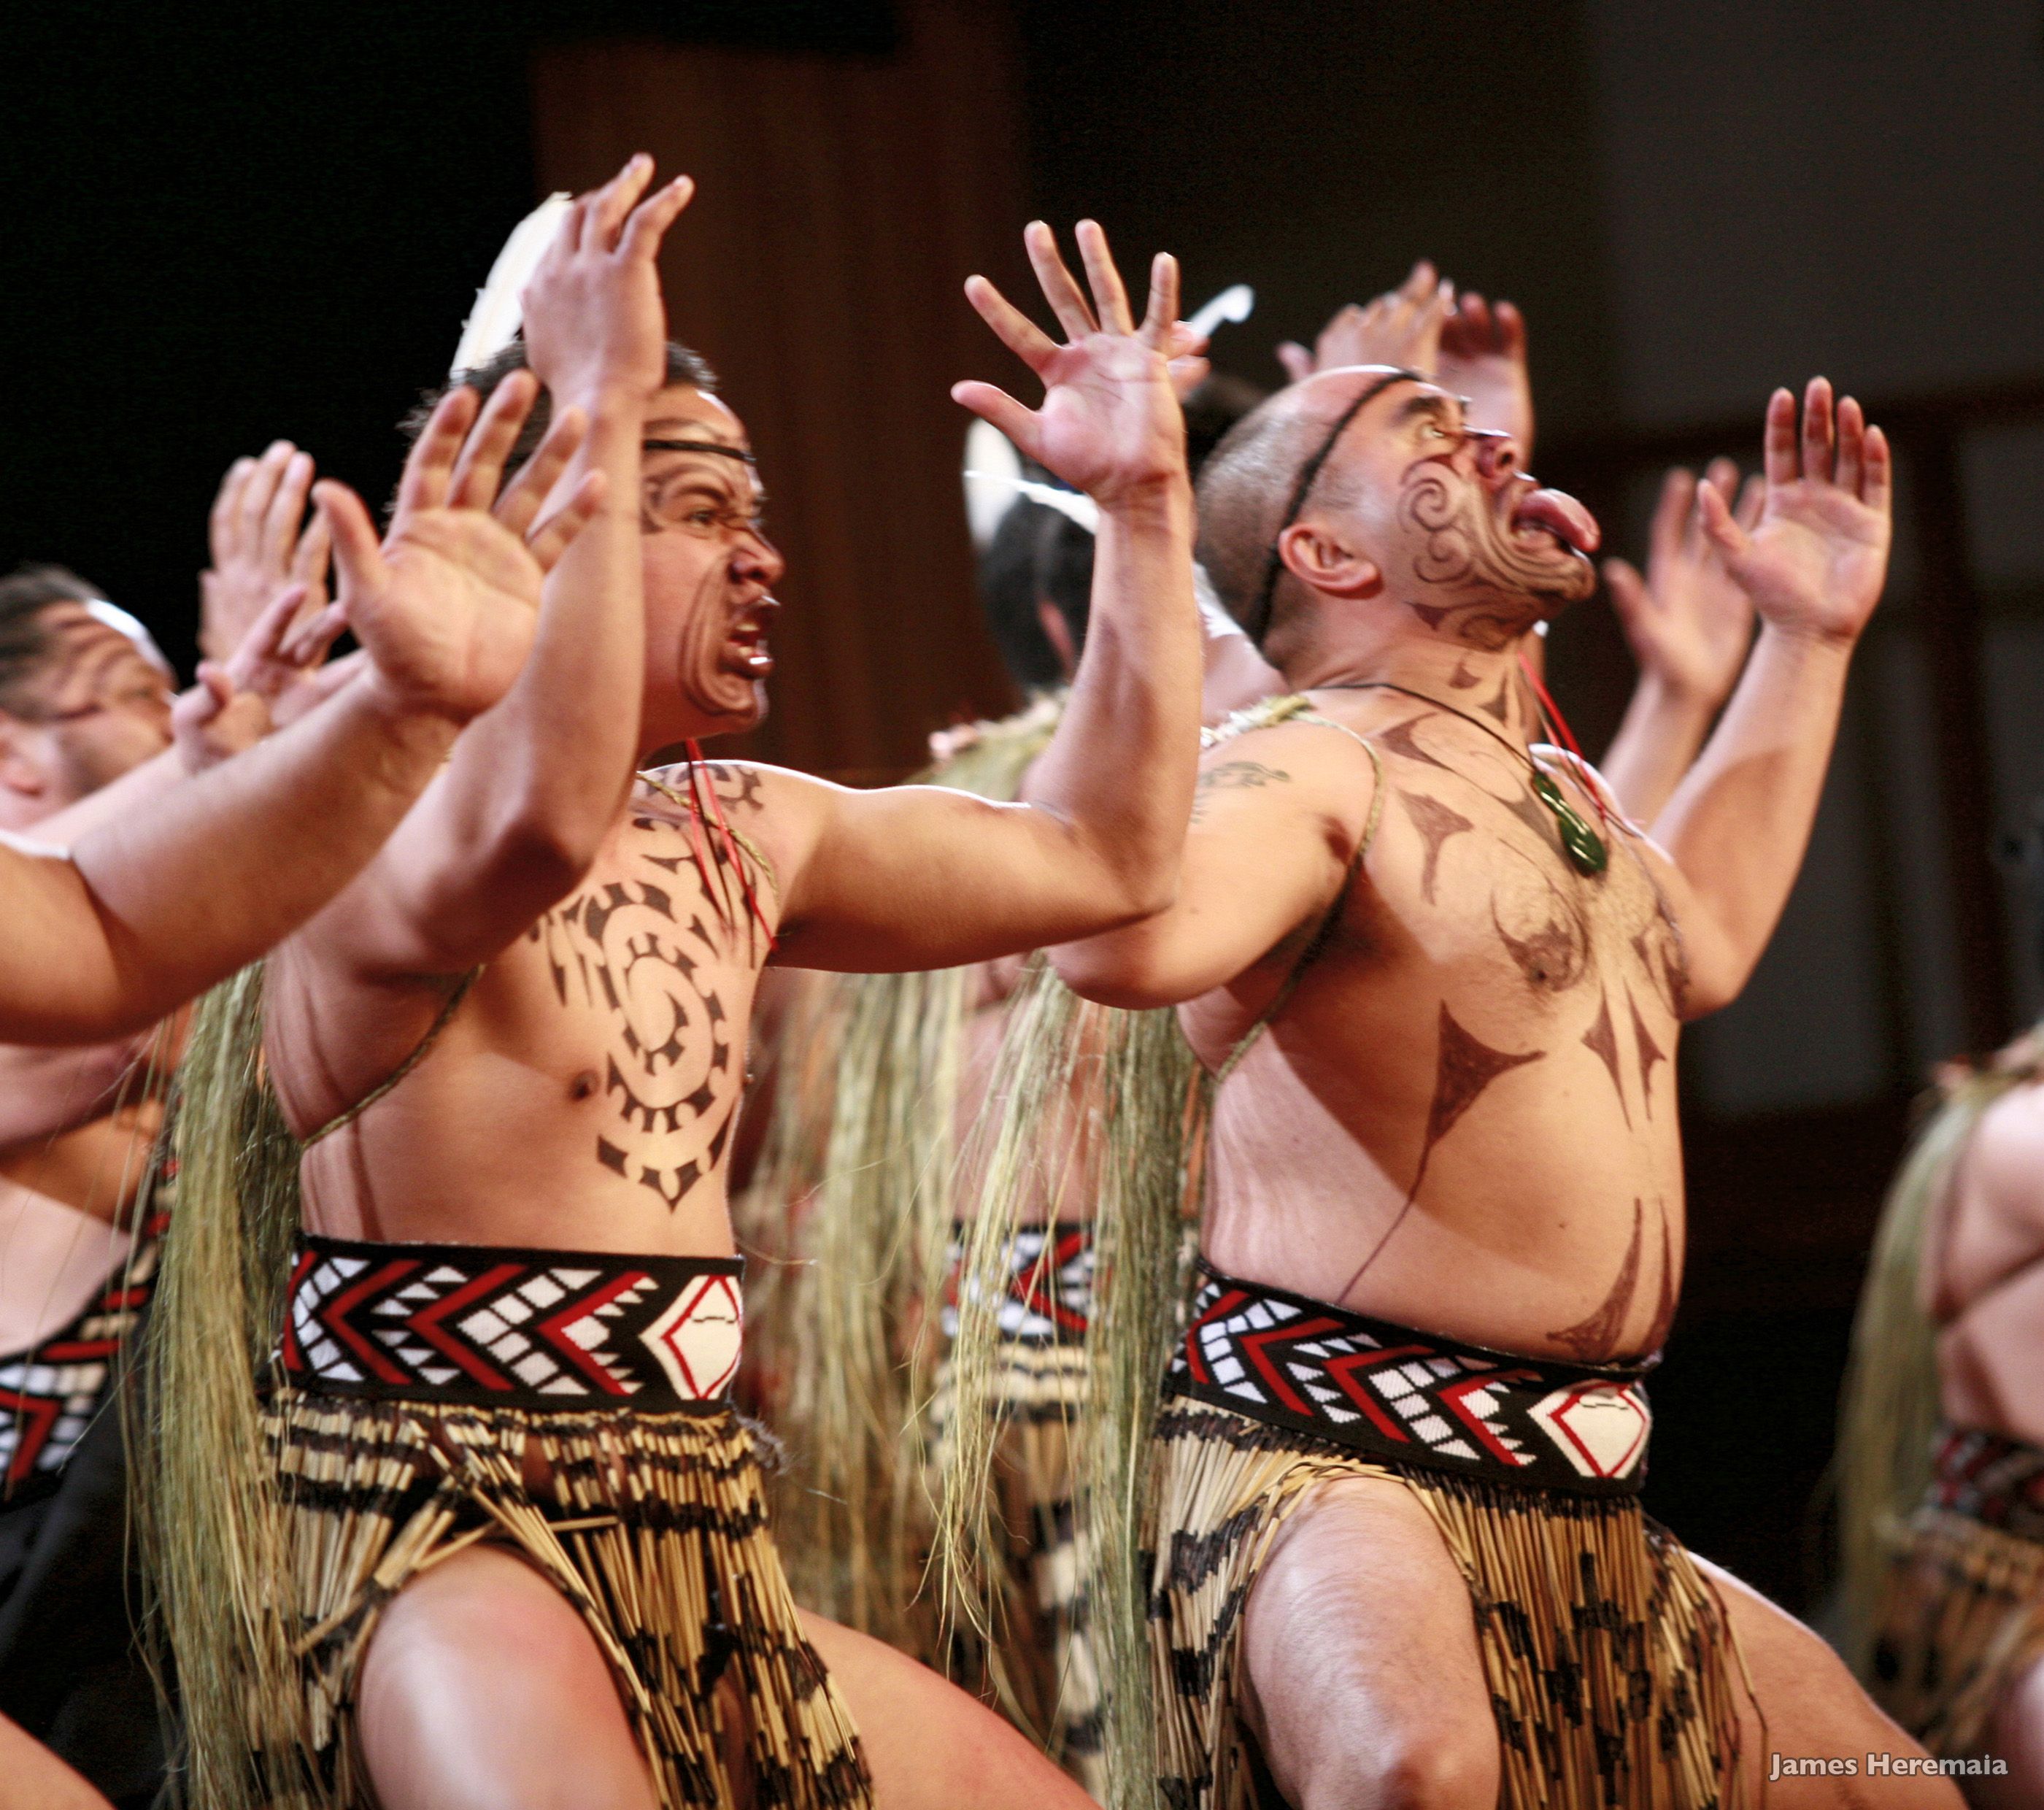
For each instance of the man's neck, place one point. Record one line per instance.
(1490, 685)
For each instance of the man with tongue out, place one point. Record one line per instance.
(1437, 980)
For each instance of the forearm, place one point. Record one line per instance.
(139, 789)
(1738, 826)
(1654, 746)
(1120, 772)
(169, 900)
(548, 769)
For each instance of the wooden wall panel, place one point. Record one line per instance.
(841, 203)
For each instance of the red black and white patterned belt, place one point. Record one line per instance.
(547, 1332)
(1996, 1481)
(1412, 1398)
(1048, 1300)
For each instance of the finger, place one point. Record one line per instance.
(1627, 588)
(651, 218)
(1877, 488)
(312, 640)
(226, 509)
(1723, 474)
(1015, 329)
(479, 469)
(1671, 517)
(1188, 374)
(260, 491)
(1059, 289)
(1476, 313)
(1817, 431)
(428, 470)
(287, 511)
(616, 199)
(1724, 534)
(1752, 500)
(1110, 298)
(574, 224)
(1511, 330)
(1421, 280)
(267, 633)
(1298, 362)
(1852, 438)
(1160, 319)
(308, 563)
(216, 690)
(995, 405)
(1778, 440)
(552, 537)
(357, 558)
(534, 482)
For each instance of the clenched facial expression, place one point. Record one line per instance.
(710, 572)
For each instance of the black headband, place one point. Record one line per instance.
(1258, 624)
(698, 446)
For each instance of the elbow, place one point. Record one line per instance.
(1113, 976)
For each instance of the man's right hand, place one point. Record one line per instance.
(594, 322)
(260, 542)
(446, 607)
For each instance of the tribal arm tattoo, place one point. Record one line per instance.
(1234, 776)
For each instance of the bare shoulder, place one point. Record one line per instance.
(2006, 1163)
(1300, 766)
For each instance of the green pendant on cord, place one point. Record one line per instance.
(1584, 846)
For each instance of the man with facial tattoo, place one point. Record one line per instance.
(520, 1555)
(1435, 979)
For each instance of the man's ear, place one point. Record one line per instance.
(22, 775)
(1318, 557)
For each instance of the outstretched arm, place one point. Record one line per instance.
(513, 823)
(917, 876)
(1689, 626)
(1813, 565)
(155, 907)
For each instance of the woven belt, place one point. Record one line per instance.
(1412, 1398)
(1996, 1481)
(542, 1331)
(1049, 1296)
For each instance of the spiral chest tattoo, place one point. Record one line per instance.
(655, 949)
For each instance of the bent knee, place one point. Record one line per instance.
(1442, 1767)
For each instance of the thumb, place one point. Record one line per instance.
(1720, 529)
(1298, 362)
(1628, 589)
(358, 560)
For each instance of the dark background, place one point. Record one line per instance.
(227, 224)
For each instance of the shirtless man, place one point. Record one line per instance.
(1942, 1436)
(1469, 971)
(553, 963)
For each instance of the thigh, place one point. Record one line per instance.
(926, 1743)
(482, 1689)
(1365, 1686)
(1810, 1706)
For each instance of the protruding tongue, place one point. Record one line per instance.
(1562, 516)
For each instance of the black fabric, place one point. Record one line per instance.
(71, 1672)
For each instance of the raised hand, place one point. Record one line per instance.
(1402, 327)
(1815, 562)
(594, 321)
(1482, 359)
(445, 608)
(260, 542)
(1110, 423)
(1689, 623)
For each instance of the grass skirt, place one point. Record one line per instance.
(1608, 1656)
(653, 1525)
(1961, 1620)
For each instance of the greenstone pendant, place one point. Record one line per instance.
(1585, 846)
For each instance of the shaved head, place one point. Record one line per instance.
(1257, 481)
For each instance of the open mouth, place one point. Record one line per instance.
(1550, 512)
(747, 653)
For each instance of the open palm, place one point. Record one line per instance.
(1110, 423)
(446, 608)
(1815, 561)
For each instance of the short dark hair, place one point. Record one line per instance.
(26, 595)
(1212, 407)
(1008, 592)
(684, 366)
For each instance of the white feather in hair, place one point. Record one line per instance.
(499, 309)
(1080, 507)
